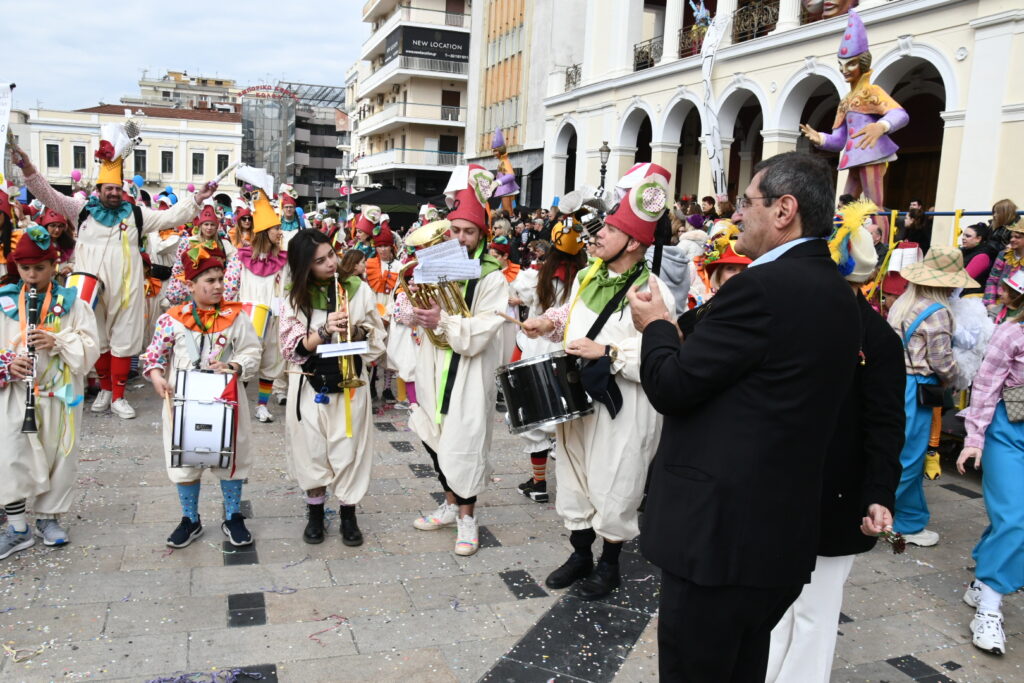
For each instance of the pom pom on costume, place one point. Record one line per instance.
(851, 245)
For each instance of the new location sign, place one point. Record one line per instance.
(414, 41)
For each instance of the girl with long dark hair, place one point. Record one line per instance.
(330, 428)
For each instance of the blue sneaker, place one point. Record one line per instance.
(51, 532)
(12, 541)
(186, 532)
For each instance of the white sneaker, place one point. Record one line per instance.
(444, 515)
(972, 596)
(123, 409)
(263, 415)
(987, 632)
(468, 541)
(924, 538)
(101, 403)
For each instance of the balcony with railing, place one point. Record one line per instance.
(409, 158)
(647, 53)
(397, 113)
(754, 20)
(691, 39)
(401, 65)
(404, 14)
(573, 74)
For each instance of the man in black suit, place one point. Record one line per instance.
(750, 403)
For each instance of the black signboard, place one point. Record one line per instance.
(414, 41)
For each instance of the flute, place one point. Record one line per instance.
(28, 426)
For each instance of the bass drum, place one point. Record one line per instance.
(543, 391)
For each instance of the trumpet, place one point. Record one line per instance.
(448, 295)
(346, 364)
(28, 425)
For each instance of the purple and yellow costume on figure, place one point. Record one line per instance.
(864, 105)
(506, 177)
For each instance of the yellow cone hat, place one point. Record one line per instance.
(264, 216)
(116, 142)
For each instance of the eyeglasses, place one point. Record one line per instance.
(746, 202)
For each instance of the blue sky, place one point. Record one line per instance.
(70, 55)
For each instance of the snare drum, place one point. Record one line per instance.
(89, 287)
(203, 434)
(260, 316)
(543, 391)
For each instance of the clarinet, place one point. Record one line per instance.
(29, 424)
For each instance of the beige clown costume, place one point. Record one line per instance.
(108, 248)
(455, 387)
(189, 338)
(44, 464)
(331, 435)
(601, 462)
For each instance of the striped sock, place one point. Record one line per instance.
(539, 461)
(231, 489)
(16, 516)
(188, 494)
(266, 386)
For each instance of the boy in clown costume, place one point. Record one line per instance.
(208, 334)
(66, 343)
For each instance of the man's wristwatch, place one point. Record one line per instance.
(611, 352)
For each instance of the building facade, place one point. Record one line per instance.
(956, 66)
(179, 146)
(179, 90)
(519, 49)
(410, 108)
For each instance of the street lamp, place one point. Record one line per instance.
(605, 151)
(346, 175)
(317, 186)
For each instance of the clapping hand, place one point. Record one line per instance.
(646, 307)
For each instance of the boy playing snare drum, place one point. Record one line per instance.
(206, 334)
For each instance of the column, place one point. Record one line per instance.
(664, 154)
(620, 160)
(624, 31)
(554, 179)
(789, 16)
(746, 166)
(726, 7)
(949, 163)
(673, 24)
(778, 141)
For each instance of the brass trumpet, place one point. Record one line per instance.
(448, 295)
(346, 364)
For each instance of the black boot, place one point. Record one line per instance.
(575, 568)
(350, 533)
(314, 532)
(602, 581)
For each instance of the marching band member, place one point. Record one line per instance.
(455, 387)
(499, 250)
(551, 287)
(602, 458)
(330, 432)
(382, 277)
(367, 223)
(66, 344)
(261, 270)
(403, 347)
(109, 229)
(210, 334)
(291, 221)
(206, 237)
(63, 240)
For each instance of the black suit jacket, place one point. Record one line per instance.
(863, 462)
(750, 404)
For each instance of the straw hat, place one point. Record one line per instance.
(941, 267)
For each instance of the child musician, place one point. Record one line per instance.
(66, 344)
(206, 334)
(330, 428)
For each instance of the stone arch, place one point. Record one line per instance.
(676, 111)
(631, 120)
(896, 63)
(734, 97)
(563, 134)
(798, 90)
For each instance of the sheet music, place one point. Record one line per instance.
(343, 349)
(452, 270)
(446, 249)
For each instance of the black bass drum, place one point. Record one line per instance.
(543, 391)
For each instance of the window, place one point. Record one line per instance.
(139, 162)
(53, 156)
(79, 156)
(197, 163)
(222, 163)
(166, 161)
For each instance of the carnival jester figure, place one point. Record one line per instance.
(505, 175)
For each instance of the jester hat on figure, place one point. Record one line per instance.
(35, 246)
(207, 215)
(369, 219)
(241, 209)
(467, 193)
(286, 200)
(199, 264)
(264, 216)
(498, 139)
(855, 38)
(115, 144)
(642, 197)
(500, 245)
(382, 236)
(852, 246)
(50, 216)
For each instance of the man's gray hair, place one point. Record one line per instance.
(809, 179)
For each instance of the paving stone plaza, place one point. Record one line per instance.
(117, 604)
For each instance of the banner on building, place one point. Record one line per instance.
(415, 41)
(6, 100)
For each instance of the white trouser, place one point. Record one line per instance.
(804, 641)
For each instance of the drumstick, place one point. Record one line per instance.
(509, 318)
(170, 407)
